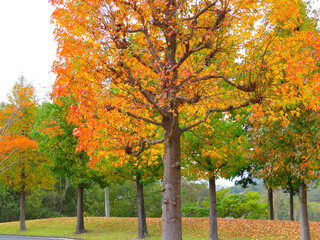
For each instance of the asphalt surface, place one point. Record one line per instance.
(10, 237)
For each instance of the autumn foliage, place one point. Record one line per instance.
(16, 123)
(144, 72)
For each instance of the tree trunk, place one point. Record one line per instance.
(142, 222)
(171, 202)
(22, 209)
(213, 233)
(291, 204)
(304, 221)
(106, 201)
(80, 221)
(64, 193)
(270, 202)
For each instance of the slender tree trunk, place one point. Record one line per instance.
(80, 221)
(213, 233)
(270, 203)
(64, 193)
(106, 201)
(22, 209)
(304, 221)
(171, 202)
(142, 221)
(291, 204)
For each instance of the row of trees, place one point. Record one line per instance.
(54, 156)
(39, 147)
(144, 79)
(144, 73)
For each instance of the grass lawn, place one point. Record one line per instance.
(193, 228)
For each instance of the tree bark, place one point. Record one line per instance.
(80, 221)
(270, 203)
(291, 204)
(142, 222)
(304, 221)
(22, 209)
(213, 232)
(106, 201)
(171, 202)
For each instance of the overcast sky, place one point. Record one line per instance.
(26, 44)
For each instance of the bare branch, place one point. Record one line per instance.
(196, 16)
(4, 129)
(21, 159)
(210, 110)
(110, 108)
(207, 59)
(151, 48)
(145, 64)
(180, 98)
(188, 53)
(249, 88)
(134, 82)
(7, 157)
(12, 119)
(133, 30)
(143, 119)
(143, 145)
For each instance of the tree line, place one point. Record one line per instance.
(51, 174)
(149, 90)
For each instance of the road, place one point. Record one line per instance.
(16, 237)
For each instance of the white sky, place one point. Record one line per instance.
(27, 46)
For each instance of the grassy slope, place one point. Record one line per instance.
(193, 228)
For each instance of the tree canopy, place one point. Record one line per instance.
(139, 66)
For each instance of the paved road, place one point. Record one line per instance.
(9, 237)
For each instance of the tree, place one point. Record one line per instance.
(28, 174)
(10, 142)
(154, 61)
(240, 205)
(143, 169)
(215, 149)
(56, 141)
(293, 156)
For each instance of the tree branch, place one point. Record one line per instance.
(143, 145)
(180, 98)
(207, 59)
(201, 45)
(210, 110)
(143, 118)
(110, 108)
(151, 48)
(135, 82)
(21, 159)
(145, 64)
(196, 16)
(249, 88)
(7, 157)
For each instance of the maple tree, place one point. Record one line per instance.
(212, 150)
(265, 156)
(26, 171)
(153, 62)
(142, 169)
(293, 156)
(56, 141)
(284, 136)
(11, 142)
